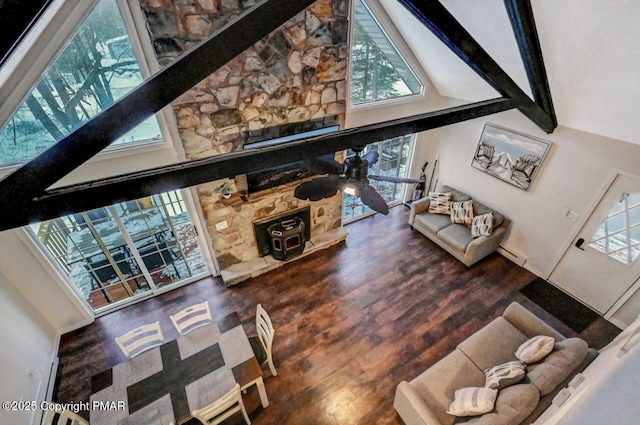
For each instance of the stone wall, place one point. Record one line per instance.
(296, 74)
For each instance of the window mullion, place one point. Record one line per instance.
(132, 247)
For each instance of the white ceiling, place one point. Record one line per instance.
(590, 47)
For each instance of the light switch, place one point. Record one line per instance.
(221, 226)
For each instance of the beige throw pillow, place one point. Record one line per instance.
(535, 349)
(482, 225)
(462, 212)
(472, 401)
(439, 203)
(504, 375)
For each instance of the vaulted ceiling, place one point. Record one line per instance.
(589, 49)
(589, 59)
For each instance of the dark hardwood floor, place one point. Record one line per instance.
(351, 322)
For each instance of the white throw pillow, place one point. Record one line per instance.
(472, 401)
(504, 375)
(535, 349)
(482, 225)
(439, 203)
(462, 212)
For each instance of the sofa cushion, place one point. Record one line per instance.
(472, 401)
(433, 222)
(438, 384)
(439, 202)
(457, 236)
(535, 349)
(557, 366)
(494, 344)
(456, 195)
(462, 212)
(512, 406)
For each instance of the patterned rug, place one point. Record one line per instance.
(570, 312)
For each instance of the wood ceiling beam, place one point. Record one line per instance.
(16, 19)
(33, 178)
(82, 197)
(448, 30)
(524, 28)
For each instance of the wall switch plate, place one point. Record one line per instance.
(222, 225)
(571, 215)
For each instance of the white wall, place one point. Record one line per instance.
(28, 346)
(573, 176)
(38, 282)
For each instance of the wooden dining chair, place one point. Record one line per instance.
(62, 417)
(222, 409)
(261, 344)
(140, 339)
(192, 317)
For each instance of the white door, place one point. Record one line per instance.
(602, 263)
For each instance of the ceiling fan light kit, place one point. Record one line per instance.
(351, 177)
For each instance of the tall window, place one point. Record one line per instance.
(96, 68)
(378, 71)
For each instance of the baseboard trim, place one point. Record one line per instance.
(517, 259)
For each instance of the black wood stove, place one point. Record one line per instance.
(287, 238)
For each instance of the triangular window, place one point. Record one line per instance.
(96, 68)
(378, 71)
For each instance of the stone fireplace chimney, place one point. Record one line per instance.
(296, 74)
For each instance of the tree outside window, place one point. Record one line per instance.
(96, 68)
(378, 72)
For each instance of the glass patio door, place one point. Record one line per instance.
(117, 254)
(394, 154)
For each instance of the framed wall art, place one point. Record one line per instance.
(510, 156)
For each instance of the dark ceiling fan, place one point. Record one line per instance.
(353, 174)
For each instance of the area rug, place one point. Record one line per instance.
(570, 312)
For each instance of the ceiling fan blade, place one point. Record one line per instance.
(320, 188)
(371, 198)
(393, 179)
(322, 165)
(371, 157)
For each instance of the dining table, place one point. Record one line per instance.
(165, 384)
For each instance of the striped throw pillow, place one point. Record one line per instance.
(472, 401)
(462, 212)
(535, 349)
(482, 225)
(439, 203)
(504, 375)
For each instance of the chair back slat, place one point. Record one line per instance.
(265, 331)
(191, 318)
(62, 417)
(141, 339)
(222, 408)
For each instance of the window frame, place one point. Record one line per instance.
(44, 43)
(378, 111)
(397, 41)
